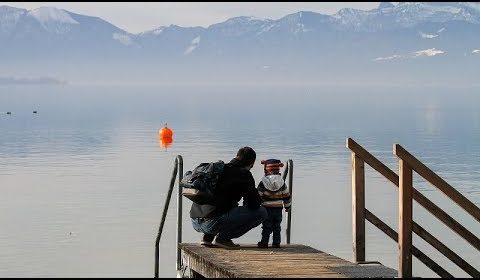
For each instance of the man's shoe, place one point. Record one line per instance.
(262, 245)
(275, 245)
(226, 244)
(207, 239)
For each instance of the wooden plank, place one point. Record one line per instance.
(430, 239)
(358, 208)
(420, 198)
(415, 251)
(437, 182)
(405, 221)
(288, 261)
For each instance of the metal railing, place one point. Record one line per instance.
(178, 169)
(407, 194)
(289, 171)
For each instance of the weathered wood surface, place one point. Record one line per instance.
(290, 261)
(358, 208)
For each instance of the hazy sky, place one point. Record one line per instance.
(142, 16)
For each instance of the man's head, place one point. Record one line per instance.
(246, 156)
(272, 166)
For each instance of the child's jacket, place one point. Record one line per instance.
(274, 192)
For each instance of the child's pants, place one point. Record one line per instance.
(272, 224)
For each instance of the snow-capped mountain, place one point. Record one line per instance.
(49, 26)
(53, 20)
(404, 15)
(9, 17)
(389, 36)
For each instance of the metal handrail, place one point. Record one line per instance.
(289, 171)
(178, 165)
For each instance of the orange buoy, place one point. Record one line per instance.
(165, 132)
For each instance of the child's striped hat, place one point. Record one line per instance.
(272, 166)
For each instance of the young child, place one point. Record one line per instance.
(275, 196)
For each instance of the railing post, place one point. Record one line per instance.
(405, 220)
(358, 208)
(164, 215)
(179, 216)
(290, 188)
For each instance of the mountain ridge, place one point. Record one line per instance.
(304, 45)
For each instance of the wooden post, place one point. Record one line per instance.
(358, 208)
(405, 220)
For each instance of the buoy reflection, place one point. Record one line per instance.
(165, 142)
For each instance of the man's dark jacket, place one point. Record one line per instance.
(235, 183)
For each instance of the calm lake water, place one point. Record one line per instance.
(84, 181)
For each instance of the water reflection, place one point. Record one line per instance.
(165, 142)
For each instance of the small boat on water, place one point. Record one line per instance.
(9, 113)
(34, 112)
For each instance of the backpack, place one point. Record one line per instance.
(199, 185)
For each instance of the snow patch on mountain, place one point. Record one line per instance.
(428, 52)
(122, 38)
(53, 20)
(395, 56)
(158, 30)
(193, 45)
(266, 28)
(50, 14)
(428, 36)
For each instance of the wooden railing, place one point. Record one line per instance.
(408, 164)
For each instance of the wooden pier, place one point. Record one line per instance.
(290, 261)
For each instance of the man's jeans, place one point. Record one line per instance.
(232, 224)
